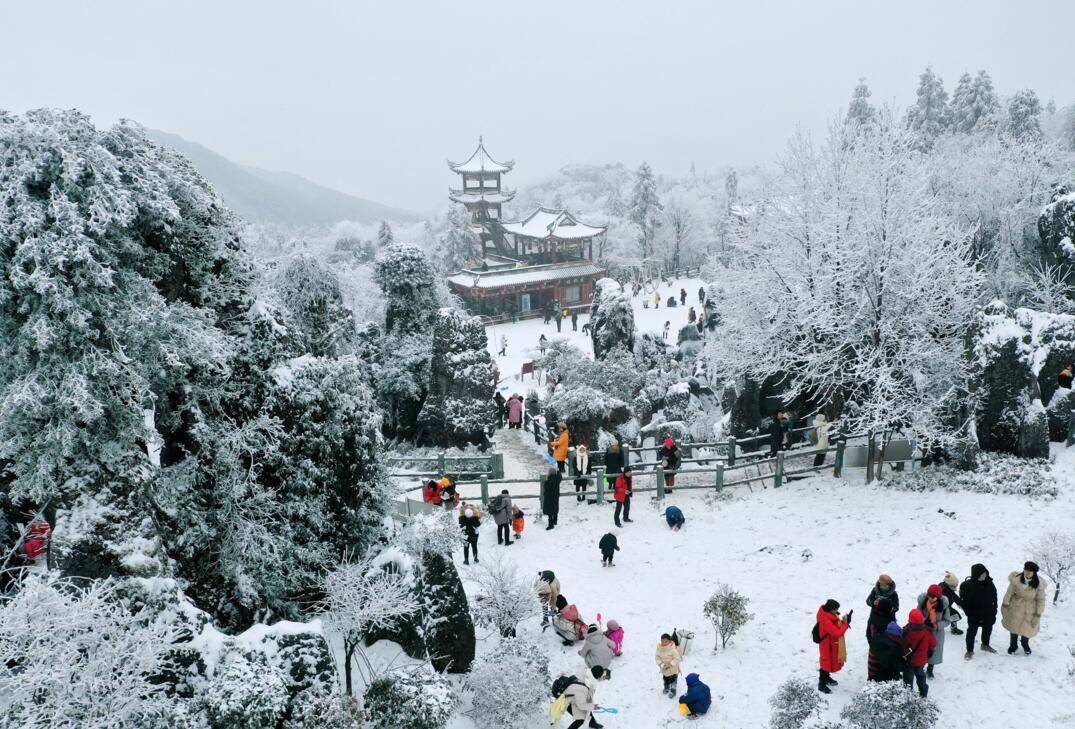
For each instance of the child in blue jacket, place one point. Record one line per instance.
(697, 699)
(674, 517)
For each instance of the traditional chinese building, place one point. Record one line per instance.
(527, 265)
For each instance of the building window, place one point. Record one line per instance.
(572, 294)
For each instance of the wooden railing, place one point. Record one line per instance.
(456, 467)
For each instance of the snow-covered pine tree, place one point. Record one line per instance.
(459, 408)
(731, 188)
(311, 293)
(385, 236)
(860, 111)
(1024, 116)
(459, 245)
(407, 281)
(645, 209)
(928, 117)
(612, 319)
(974, 104)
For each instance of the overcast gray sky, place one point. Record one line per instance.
(371, 97)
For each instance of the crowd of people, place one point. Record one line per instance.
(911, 652)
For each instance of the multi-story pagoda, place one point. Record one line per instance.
(543, 260)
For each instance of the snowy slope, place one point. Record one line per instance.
(755, 542)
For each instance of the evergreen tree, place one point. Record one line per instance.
(731, 188)
(407, 281)
(860, 111)
(615, 207)
(459, 408)
(645, 208)
(311, 293)
(612, 319)
(460, 245)
(974, 103)
(928, 118)
(384, 236)
(1024, 112)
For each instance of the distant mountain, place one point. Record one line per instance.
(265, 196)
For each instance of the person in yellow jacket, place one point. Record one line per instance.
(559, 446)
(668, 660)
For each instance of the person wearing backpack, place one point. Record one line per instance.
(608, 545)
(469, 523)
(580, 697)
(501, 508)
(829, 635)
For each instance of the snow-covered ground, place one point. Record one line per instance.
(755, 542)
(523, 336)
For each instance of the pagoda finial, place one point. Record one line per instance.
(479, 140)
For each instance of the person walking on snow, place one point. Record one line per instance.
(574, 321)
(664, 333)
(692, 316)
(550, 497)
(656, 299)
(622, 492)
(701, 294)
(543, 343)
(559, 318)
(597, 649)
(515, 412)
(503, 345)
(776, 433)
(560, 445)
(668, 660)
(581, 698)
(698, 699)
(608, 545)
(918, 643)
(934, 606)
(682, 297)
(831, 648)
(1023, 606)
(979, 596)
(469, 523)
(501, 508)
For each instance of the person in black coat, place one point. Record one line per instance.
(608, 545)
(880, 616)
(469, 523)
(979, 596)
(701, 294)
(885, 662)
(613, 464)
(550, 497)
(950, 586)
(885, 587)
(776, 433)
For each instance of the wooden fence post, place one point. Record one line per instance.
(659, 475)
(541, 494)
(599, 480)
(778, 472)
(731, 451)
(838, 468)
(626, 449)
(869, 456)
(718, 478)
(440, 465)
(485, 491)
(497, 465)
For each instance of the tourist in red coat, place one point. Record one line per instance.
(918, 643)
(624, 489)
(831, 628)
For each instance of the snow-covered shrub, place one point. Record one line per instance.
(727, 609)
(311, 293)
(532, 403)
(360, 597)
(795, 701)
(312, 710)
(74, 655)
(612, 319)
(509, 685)
(997, 473)
(677, 400)
(889, 704)
(415, 698)
(407, 280)
(244, 692)
(1054, 552)
(504, 598)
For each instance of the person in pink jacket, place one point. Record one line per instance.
(615, 634)
(515, 412)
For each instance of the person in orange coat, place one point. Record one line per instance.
(831, 628)
(518, 521)
(559, 446)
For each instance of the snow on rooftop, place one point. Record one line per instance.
(552, 223)
(517, 276)
(481, 161)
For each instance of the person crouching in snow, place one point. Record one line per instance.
(580, 698)
(597, 650)
(668, 660)
(918, 644)
(608, 546)
(566, 622)
(518, 522)
(934, 606)
(830, 629)
(675, 518)
(615, 634)
(697, 700)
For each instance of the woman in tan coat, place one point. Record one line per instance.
(1023, 606)
(668, 660)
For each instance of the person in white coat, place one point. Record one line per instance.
(581, 700)
(820, 437)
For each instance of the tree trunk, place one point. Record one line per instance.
(348, 657)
